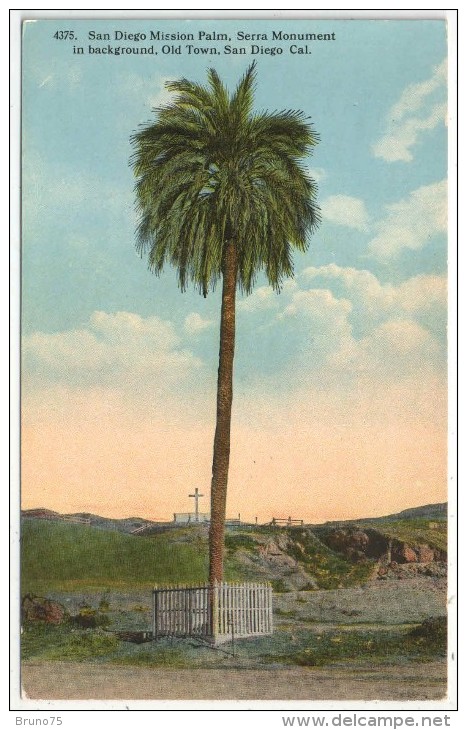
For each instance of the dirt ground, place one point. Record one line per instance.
(84, 681)
(378, 606)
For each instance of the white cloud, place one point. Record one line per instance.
(373, 301)
(320, 305)
(414, 96)
(161, 95)
(358, 284)
(194, 323)
(418, 109)
(345, 210)
(396, 144)
(411, 222)
(55, 75)
(151, 91)
(118, 350)
(50, 70)
(422, 293)
(397, 348)
(316, 173)
(260, 299)
(344, 322)
(324, 322)
(46, 81)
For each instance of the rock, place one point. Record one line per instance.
(408, 555)
(355, 543)
(426, 554)
(401, 552)
(350, 542)
(37, 608)
(409, 571)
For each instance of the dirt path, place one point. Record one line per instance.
(66, 680)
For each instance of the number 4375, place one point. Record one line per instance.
(63, 35)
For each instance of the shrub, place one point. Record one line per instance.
(104, 603)
(278, 586)
(90, 618)
(431, 633)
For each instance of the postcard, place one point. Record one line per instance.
(234, 401)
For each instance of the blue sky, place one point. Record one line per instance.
(366, 310)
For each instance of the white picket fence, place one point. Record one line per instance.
(216, 613)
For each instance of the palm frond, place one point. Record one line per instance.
(209, 169)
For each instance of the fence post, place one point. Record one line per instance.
(154, 613)
(270, 625)
(232, 622)
(190, 611)
(215, 611)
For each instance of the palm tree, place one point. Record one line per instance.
(222, 194)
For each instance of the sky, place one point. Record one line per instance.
(340, 394)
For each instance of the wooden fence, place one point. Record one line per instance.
(216, 613)
(280, 521)
(76, 519)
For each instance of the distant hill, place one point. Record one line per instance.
(437, 511)
(139, 525)
(126, 524)
(95, 552)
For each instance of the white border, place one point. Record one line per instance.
(176, 711)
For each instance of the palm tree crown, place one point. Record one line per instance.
(210, 170)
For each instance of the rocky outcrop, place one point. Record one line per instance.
(355, 543)
(271, 560)
(401, 552)
(358, 543)
(403, 571)
(35, 608)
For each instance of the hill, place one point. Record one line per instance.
(75, 556)
(125, 524)
(147, 527)
(438, 511)
(58, 554)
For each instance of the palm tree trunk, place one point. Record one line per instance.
(220, 462)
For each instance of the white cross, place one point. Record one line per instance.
(196, 497)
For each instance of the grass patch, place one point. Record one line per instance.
(83, 646)
(279, 586)
(417, 644)
(56, 556)
(63, 642)
(416, 531)
(287, 646)
(234, 542)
